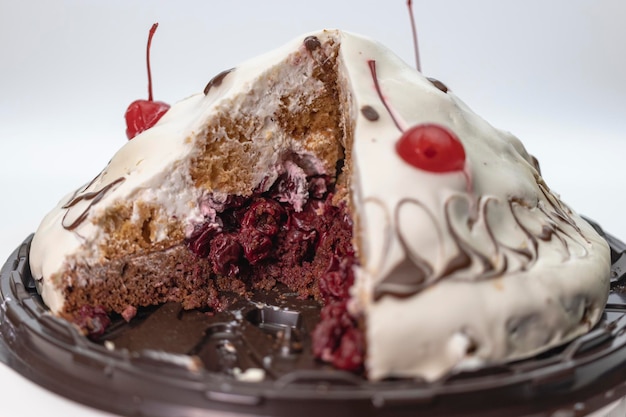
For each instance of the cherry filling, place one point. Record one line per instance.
(94, 320)
(262, 239)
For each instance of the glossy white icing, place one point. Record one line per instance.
(492, 271)
(534, 292)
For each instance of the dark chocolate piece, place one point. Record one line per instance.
(312, 43)
(370, 113)
(438, 84)
(217, 80)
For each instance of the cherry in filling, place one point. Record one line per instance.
(260, 240)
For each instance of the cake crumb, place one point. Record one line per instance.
(129, 312)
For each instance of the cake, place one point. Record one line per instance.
(334, 169)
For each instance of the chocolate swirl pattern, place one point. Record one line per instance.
(479, 253)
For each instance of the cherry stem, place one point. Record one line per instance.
(150, 35)
(469, 183)
(409, 4)
(372, 65)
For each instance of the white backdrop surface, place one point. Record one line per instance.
(553, 73)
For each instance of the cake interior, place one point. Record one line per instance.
(294, 229)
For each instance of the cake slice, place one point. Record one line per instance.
(333, 168)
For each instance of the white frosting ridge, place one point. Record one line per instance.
(456, 269)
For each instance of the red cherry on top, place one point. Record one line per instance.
(143, 114)
(432, 148)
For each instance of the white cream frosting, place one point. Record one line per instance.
(533, 304)
(536, 274)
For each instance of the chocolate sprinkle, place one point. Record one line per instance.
(217, 80)
(438, 84)
(312, 43)
(369, 113)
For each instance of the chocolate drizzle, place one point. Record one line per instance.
(470, 262)
(464, 247)
(561, 211)
(217, 80)
(404, 280)
(527, 252)
(92, 197)
(412, 274)
(441, 86)
(522, 252)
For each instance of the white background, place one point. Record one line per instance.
(553, 72)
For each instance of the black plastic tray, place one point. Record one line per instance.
(166, 362)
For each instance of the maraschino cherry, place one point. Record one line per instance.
(427, 146)
(143, 114)
(432, 148)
